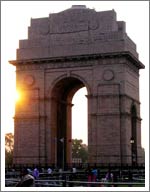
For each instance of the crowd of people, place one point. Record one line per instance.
(28, 176)
(93, 176)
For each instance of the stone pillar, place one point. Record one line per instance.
(109, 123)
(27, 129)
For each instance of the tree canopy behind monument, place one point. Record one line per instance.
(79, 150)
(9, 146)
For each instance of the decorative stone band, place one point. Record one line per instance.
(19, 117)
(79, 58)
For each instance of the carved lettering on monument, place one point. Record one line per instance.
(69, 39)
(73, 22)
(69, 27)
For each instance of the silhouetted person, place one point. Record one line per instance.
(49, 171)
(130, 176)
(70, 179)
(36, 173)
(94, 175)
(108, 176)
(64, 178)
(27, 180)
(115, 179)
(89, 176)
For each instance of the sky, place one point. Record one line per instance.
(15, 20)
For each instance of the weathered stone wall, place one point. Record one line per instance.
(75, 32)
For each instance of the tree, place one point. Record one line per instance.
(79, 150)
(9, 147)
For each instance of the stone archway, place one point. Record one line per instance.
(61, 107)
(66, 51)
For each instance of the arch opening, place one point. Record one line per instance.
(79, 127)
(79, 115)
(61, 119)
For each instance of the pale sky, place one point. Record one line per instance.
(15, 19)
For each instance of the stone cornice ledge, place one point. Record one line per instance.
(79, 58)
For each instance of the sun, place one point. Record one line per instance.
(17, 96)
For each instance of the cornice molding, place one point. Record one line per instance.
(126, 54)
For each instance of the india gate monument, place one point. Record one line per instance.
(64, 52)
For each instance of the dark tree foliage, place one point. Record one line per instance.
(9, 146)
(79, 150)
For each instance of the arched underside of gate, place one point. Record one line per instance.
(61, 118)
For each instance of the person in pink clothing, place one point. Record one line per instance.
(89, 176)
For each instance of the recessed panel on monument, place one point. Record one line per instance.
(65, 51)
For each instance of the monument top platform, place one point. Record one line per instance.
(78, 7)
(76, 31)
